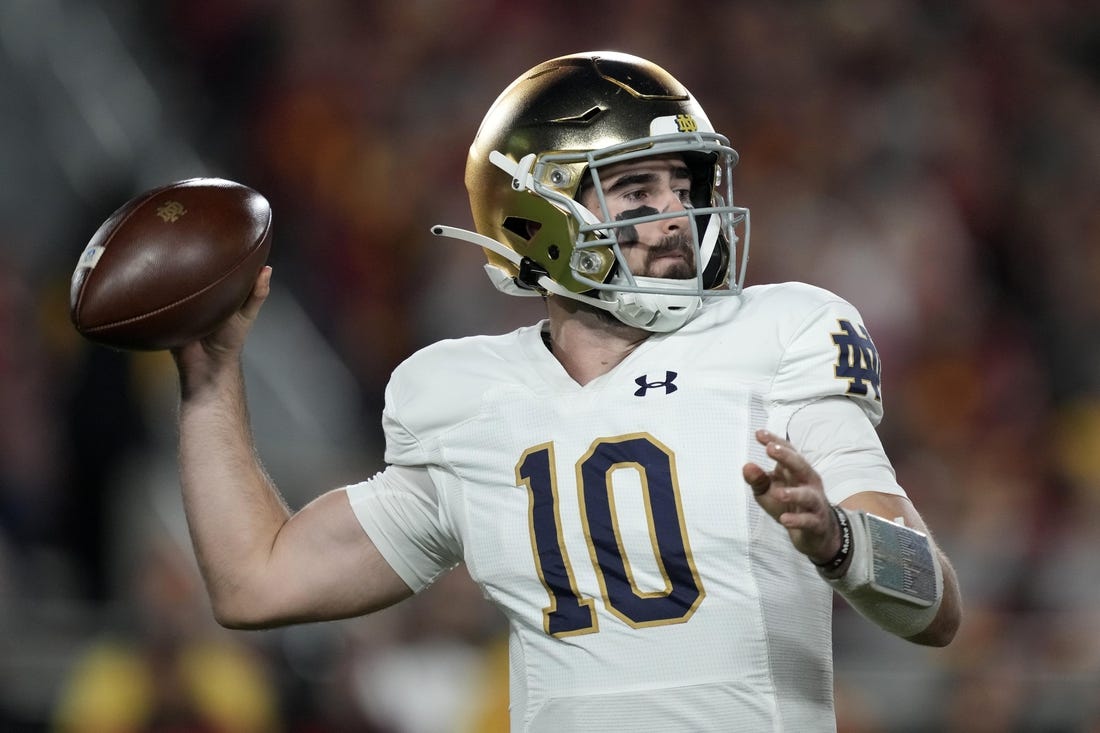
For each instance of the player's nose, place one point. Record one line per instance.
(673, 204)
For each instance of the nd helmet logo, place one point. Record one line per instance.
(686, 123)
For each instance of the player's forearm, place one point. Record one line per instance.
(233, 510)
(946, 623)
(894, 574)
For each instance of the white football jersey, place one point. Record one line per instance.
(645, 589)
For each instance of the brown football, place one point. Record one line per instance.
(171, 265)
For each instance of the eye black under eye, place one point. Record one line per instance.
(636, 213)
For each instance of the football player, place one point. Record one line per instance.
(661, 485)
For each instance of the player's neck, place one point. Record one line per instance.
(586, 342)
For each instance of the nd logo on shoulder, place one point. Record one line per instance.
(857, 360)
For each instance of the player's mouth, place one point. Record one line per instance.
(672, 258)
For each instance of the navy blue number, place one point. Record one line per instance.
(569, 612)
(653, 462)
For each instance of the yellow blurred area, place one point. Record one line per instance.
(206, 685)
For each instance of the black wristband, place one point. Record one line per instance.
(845, 543)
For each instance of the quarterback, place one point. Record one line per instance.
(661, 485)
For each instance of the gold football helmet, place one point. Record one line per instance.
(549, 133)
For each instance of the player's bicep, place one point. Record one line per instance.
(324, 566)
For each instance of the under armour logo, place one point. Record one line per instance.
(858, 360)
(644, 385)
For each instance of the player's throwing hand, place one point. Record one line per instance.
(794, 496)
(201, 362)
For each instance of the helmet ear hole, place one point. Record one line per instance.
(525, 229)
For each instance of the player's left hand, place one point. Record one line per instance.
(794, 496)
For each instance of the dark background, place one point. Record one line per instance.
(936, 163)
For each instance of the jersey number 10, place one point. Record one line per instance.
(571, 613)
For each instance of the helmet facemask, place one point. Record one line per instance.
(652, 303)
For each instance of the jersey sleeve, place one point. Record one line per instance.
(843, 447)
(431, 393)
(402, 509)
(828, 352)
(405, 510)
(402, 445)
(405, 444)
(399, 510)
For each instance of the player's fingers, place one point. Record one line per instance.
(263, 282)
(764, 436)
(775, 446)
(756, 477)
(806, 498)
(790, 460)
(804, 520)
(260, 291)
(797, 520)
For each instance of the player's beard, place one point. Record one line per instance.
(682, 269)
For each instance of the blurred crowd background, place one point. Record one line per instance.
(935, 162)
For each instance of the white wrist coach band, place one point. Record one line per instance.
(894, 577)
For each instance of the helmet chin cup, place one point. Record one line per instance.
(657, 312)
